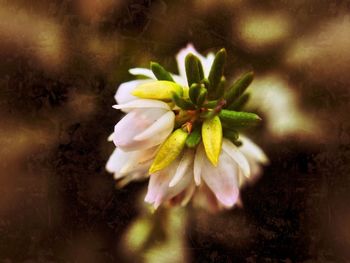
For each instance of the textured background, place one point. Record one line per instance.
(61, 62)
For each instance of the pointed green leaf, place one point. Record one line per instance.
(238, 88)
(239, 103)
(194, 138)
(231, 134)
(217, 70)
(212, 138)
(182, 103)
(169, 150)
(194, 92)
(160, 72)
(159, 90)
(194, 69)
(239, 118)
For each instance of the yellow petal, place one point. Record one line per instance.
(212, 138)
(169, 150)
(159, 90)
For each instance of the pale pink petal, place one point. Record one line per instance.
(116, 161)
(164, 123)
(184, 166)
(142, 103)
(233, 151)
(223, 179)
(123, 94)
(143, 72)
(198, 164)
(250, 148)
(158, 187)
(122, 163)
(135, 123)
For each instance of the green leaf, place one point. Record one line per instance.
(238, 88)
(217, 70)
(160, 72)
(239, 118)
(169, 150)
(194, 92)
(194, 69)
(194, 138)
(212, 138)
(239, 103)
(219, 92)
(182, 103)
(159, 90)
(232, 135)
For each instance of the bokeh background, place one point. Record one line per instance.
(61, 62)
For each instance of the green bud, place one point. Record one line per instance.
(239, 118)
(217, 70)
(212, 138)
(169, 150)
(194, 69)
(182, 103)
(239, 103)
(202, 96)
(159, 90)
(160, 72)
(238, 88)
(194, 138)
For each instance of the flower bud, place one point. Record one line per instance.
(159, 90)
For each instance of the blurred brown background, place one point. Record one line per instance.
(61, 62)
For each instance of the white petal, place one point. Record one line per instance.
(222, 180)
(123, 163)
(116, 161)
(110, 137)
(142, 103)
(198, 164)
(164, 123)
(143, 72)
(237, 156)
(135, 123)
(123, 94)
(158, 187)
(139, 160)
(253, 150)
(184, 165)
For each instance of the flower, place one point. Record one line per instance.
(182, 132)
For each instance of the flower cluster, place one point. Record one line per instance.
(182, 131)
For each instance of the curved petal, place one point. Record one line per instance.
(164, 123)
(123, 94)
(158, 187)
(123, 163)
(184, 165)
(250, 148)
(222, 180)
(198, 164)
(237, 156)
(143, 72)
(135, 123)
(142, 103)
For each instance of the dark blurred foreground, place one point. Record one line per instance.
(61, 62)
